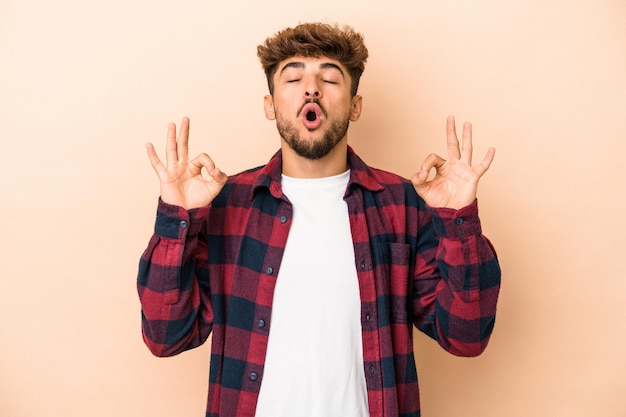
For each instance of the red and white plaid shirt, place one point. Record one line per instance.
(214, 269)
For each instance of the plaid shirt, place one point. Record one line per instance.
(214, 269)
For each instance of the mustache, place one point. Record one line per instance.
(315, 101)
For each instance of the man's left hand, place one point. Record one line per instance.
(456, 182)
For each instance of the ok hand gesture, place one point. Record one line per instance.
(182, 183)
(456, 181)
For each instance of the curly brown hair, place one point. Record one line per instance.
(315, 40)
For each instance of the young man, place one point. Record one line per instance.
(311, 270)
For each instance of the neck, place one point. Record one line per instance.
(334, 163)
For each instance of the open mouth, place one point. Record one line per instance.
(311, 116)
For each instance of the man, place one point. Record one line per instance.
(311, 270)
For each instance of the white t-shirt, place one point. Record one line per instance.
(314, 363)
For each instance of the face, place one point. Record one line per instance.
(312, 105)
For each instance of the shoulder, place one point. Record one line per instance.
(396, 189)
(387, 177)
(239, 188)
(247, 177)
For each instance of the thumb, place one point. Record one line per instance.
(218, 176)
(419, 178)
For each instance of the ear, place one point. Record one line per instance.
(356, 107)
(268, 106)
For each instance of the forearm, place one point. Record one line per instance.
(458, 290)
(176, 313)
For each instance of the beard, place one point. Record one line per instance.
(314, 148)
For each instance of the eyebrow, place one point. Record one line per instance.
(300, 65)
(327, 65)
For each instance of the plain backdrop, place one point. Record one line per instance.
(84, 85)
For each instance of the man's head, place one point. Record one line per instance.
(315, 40)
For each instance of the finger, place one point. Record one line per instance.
(171, 153)
(156, 163)
(183, 140)
(219, 176)
(466, 147)
(205, 161)
(486, 162)
(431, 161)
(452, 139)
(419, 178)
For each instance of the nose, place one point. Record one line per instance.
(312, 89)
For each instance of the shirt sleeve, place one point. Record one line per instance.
(176, 312)
(457, 280)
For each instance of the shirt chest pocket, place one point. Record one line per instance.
(395, 265)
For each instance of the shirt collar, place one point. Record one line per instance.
(360, 175)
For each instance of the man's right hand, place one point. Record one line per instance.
(182, 183)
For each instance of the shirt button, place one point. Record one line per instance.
(368, 317)
(372, 370)
(183, 224)
(283, 219)
(459, 221)
(269, 270)
(260, 324)
(363, 266)
(254, 376)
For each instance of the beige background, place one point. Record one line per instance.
(84, 85)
